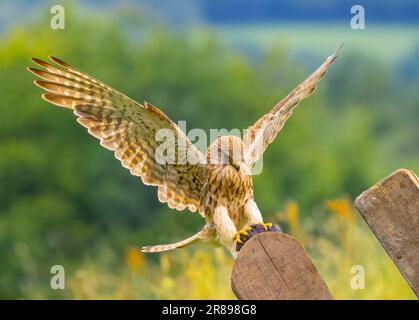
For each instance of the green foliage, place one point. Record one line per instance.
(66, 200)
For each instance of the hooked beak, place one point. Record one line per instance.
(236, 166)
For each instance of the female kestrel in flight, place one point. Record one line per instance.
(217, 184)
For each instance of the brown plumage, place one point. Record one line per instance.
(217, 184)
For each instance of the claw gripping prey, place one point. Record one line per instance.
(244, 235)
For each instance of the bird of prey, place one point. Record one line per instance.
(217, 184)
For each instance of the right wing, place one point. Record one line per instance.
(129, 129)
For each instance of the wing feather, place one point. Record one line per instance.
(127, 128)
(264, 131)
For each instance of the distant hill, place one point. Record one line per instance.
(181, 12)
(383, 11)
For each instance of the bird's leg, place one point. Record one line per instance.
(226, 230)
(252, 213)
(254, 224)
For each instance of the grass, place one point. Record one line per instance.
(335, 237)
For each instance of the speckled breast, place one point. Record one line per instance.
(225, 186)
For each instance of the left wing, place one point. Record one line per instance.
(264, 131)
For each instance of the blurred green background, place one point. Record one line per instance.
(65, 200)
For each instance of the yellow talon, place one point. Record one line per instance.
(245, 231)
(242, 232)
(266, 225)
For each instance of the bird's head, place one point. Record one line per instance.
(228, 152)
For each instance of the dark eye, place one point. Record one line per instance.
(236, 166)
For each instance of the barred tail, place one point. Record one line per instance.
(207, 233)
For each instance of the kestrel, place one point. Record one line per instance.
(218, 184)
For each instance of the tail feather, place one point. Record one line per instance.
(207, 233)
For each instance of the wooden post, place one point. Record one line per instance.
(275, 266)
(391, 209)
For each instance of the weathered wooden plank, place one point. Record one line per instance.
(275, 266)
(391, 209)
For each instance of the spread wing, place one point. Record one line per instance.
(129, 129)
(264, 131)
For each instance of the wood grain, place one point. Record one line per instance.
(391, 209)
(275, 266)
